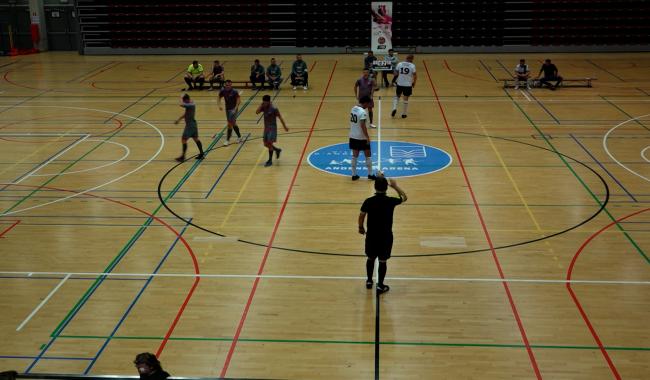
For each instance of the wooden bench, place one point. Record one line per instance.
(566, 82)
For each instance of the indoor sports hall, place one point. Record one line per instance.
(522, 251)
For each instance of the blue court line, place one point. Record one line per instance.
(544, 108)
(225, 169)
(488, 70)
(602, 166)
(605, 70)
(135, 300)
(44, 358)
(96, 285)
(45, 160)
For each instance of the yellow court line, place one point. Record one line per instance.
(514, 185)
(241, 191)
(34, 152)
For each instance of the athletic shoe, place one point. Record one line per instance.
(211, 89)
(180, 158)
(200, 157)
(382, 288)
(277, 153)
(393, 113)
(527, 87)
(225, 143)
(268, 163)
(294, 87)
(403, 116)
(238, 140)
(517, 87)
(355, 177)
(372, 177)
(304, 87)
(373, 126)
(369, 284)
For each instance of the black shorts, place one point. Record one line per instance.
(359, 144)
(380, 247)
(407, 91)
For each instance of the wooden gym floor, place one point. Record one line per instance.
(526, 258)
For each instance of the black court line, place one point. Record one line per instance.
(9, 64)
(79, 77)
(377, 344)
(603, 204)
(605, 70)
(640, 89)
(5, 109)
(488, 70)
(130, 105)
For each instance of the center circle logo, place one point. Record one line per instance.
(398, 159)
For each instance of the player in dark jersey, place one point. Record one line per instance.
(232, 99)
(270, 127)
(191, 129)
(366, 86)
(550, 74)
(218, 75)
(379, 232)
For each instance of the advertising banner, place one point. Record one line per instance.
(382, 22)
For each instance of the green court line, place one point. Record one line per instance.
(136, 235)
(81, 157)
(353, 342)
(554, 149)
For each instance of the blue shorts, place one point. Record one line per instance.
(191, 130)
(270, 134)
(231, 115)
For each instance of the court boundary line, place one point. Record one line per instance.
(42, 303)
(606, 138)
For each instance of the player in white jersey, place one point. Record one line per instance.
(405, 78)
(359, 137)
(522, 74)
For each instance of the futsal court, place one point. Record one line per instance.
(524, 256)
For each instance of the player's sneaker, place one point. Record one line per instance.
(211, 89)
(200, 157)
(517, 87)
(268, 163)
(304, 87)
(373, 126)
(382, 288)
(225, 143)
(372, 177)
(294, 87)
(527, 87)
(369, 284)
(277, 153)
(355, 177)
(393, 113)
(180, 158)
(238, 140)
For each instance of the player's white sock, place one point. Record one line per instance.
(354, 166)
(406, 108)
(395, 100)
(369, 165)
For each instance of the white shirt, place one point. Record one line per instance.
(521, 69)
(405, 70)
(357, 115)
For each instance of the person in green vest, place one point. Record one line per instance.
(194, 76)
(274, 75)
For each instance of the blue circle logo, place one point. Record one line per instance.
(398, 159)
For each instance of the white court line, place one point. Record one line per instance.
(42, 165)
(126, 150)
(355, 278)
(526, 95)
(612, 156)
(40, 305)
(378, 135)
(153, 157)
(643, 153)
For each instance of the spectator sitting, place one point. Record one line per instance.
(299, 74)
(149, 367)
(257, 74)
(218, 75)
(274, 75)
(369, 61)
(522, 74)
(392, 58)
(194, 76)
(550, 74)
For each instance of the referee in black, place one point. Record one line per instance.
(379, 235)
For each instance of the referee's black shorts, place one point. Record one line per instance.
(379, 247)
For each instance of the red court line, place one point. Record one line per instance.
(3, 233)
(591, 328)
(461, 74)
(520, 324)
(235, 339)
(169, 227)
